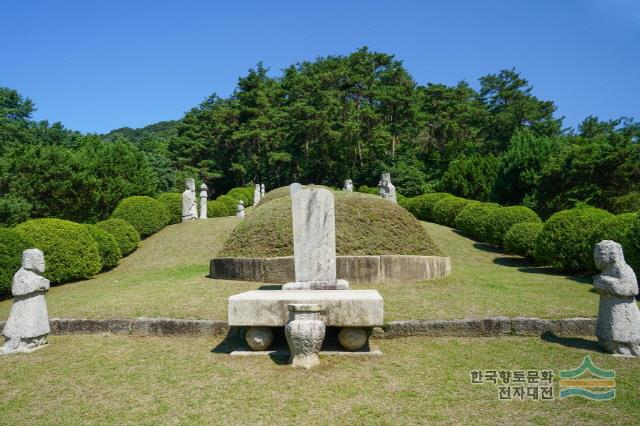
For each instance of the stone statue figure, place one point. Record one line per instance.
(348, 185)
(386, 189)
(240, 209)
(204, 197)
(189, 208)
(262, 191)
(618, 324)
(256, 195)
(28, 324)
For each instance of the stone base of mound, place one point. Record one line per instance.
(355, 269)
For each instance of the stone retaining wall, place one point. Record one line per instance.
(355, 269)
(469, 327)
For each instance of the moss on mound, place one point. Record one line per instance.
(365, 225)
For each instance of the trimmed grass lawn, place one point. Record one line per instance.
(167, 277)
(151, 380)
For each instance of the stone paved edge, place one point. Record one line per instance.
(468, 327)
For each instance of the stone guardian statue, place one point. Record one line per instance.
(348, 185)
(386, 189)
(618, 324)
(189, 208)
(240, 209)
(28, 325)
(204, 197)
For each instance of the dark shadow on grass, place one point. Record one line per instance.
(270, 287)
(488, 248)
(513, 262)
(232, 341)
(572, 342)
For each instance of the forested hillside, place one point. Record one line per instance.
(321, 122)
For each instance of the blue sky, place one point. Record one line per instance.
(100, 65)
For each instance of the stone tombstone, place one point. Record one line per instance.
(256, 194)
(240, 209)
(348, 185)
(189, 208)
(314, 240)
(204, 196)
(28, 324)
(386, 189)
(262, 191)
(294, 187)
(618, 324)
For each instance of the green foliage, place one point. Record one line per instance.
(422, 205)
(124, 233)
(628, 203)
(619, 229)
(146, 214)
(471, 176)
(565, 240)
(368, 189)
(216, 209)
(11, 247)
(521, 238)
(70, 251)
(445, 211)
(474, 220)
(230, 203)
(173, 202)
(504, 218)
(241, 194)
(108, 247)
(13, 210)
(632, 244)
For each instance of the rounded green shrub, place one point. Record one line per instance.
(565, 240)
(124, 233)
(229, 202)
(521, 238)
(216, 209)
(173, 202)
(445, 211)
(241, 194)
(12, 244)
(108, 246)
(146, 214)
(422, 205)
(70, 251)
(474, 219)
(504, 218)
(625, 229)
(368, 189)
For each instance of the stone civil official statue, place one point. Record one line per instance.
(189, 208)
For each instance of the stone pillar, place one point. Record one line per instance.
(204, 197)
(240, 209)
(256, 195)
(28, 324)
(262, 191)
(189, 208)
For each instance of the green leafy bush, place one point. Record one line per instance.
(241, 194)
(445, 211)
(504, 218)
(474, 219)
(521, 238)
(13, 210)
(622, 229)
(625, 203)
(173, 202)
(11, 247)
(124, 233)
(70, 251)
(229, 202)
(368, 189)
(565, 240)
(422, 205)
(632, 243)
(216, 209)
(146, 214)
(108, 246)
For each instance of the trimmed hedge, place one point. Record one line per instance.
(70, 251)
(241, 194)
(368, 189)
(216, 209)
(173, 202)
(565, 240)
(12, 244)
(445, 211)
(422, 205)
(108, 247)
(146, 214)
(230, 203)
(521, 238)
(631, 239)
(124, 233)
(504, 218)
(473, 221)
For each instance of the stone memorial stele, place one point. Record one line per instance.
(294, 187)
(204, 196)
(314, 241)
(348, 185)
(262, 191)
(386, 189)
(618, 324)
(240, 209)
(256, 195)
(189, 208)
(28, 324)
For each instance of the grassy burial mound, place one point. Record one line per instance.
(365, 225)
